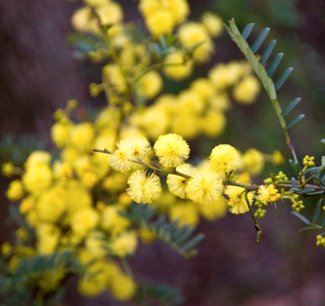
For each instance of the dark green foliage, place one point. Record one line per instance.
(84, 43)
(265, 69)
(19, 287)
(180, 238)
(149, 294)
(17, 148)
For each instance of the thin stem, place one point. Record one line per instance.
(278, 110)
(245, 186)
(256, 225)
(152, 167)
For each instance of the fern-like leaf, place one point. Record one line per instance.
(179, 237)
(265, 69)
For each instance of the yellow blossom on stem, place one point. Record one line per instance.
(205, 187)
(176, 183)
(225, 158)
(268, 193)
(172, 150)
(143, 188)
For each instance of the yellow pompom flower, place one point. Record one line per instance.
(143, 188)
(114, 77)
(60, 134)
(37, 158)
(268, 194)
(176, 183)
(172, 150)
(96, 3)
(110, 13)
(8, 169)
(246, 91)
(213, 123)
(193, 35)
(123, 287)
(253, 161)
(179, 9)
(149, 7)
(82, 136)
(124, 244)
(237, 202)
(184, 214)
(215, 210)
(204, 88)
(37, 178)
(113, 221)
(137, 147)
(213, 23)
(83, 221)
(205, 187)
(277, 158)
(225, 158)
(161, 22)
(51, 205)
(84, 21)
(15, 190)
(149, 85)
(120, 161)
(48, 237)
(177, 67)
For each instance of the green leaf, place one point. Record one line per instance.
(274, 65)
(179, 237)
(295, 121)
(260, 39)
(193, 242)
(247, 30)
(294, 166)
(279, 83)
(317, 211)
(257, 66)
(268, 51)
(149, 293)
(291, 106)
(309, 229)
(301, 217)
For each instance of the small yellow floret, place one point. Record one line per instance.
(213, 23)
(172, 150)
(237, 202)
(15, 190)
(309, 161)
(277, 158)
(267, 194)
